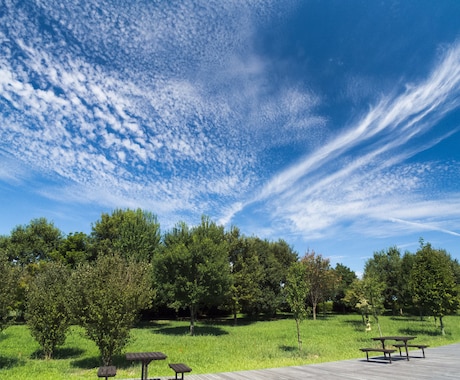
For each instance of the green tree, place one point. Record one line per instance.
(9, 277)
(321, 279)
(108, 295)
(193, 270)
(346, 276)
(432, 282)
(73, 250)
(270, 262)
(366, 296)
(386, 266)
(246, 273)
(34, 242)
(48, 312)
(296, 289)
(132, 233)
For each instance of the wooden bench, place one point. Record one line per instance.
(419, 346)
(385, 351)
(180, 368)
(107, 371)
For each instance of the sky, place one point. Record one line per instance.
(333, 125)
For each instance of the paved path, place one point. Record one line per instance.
(440, 363)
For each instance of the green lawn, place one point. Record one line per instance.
(217, 346)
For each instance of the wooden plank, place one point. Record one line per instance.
(441, 363)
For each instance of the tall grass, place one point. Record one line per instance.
(217, 346)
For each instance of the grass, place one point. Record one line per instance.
(217, 346)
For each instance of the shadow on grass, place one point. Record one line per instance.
(6, 362)
(420, 331)
(185, 330)
(59, 353)
(119, 361)
(357, 325)
(289, 348)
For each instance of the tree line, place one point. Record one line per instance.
(125, 265)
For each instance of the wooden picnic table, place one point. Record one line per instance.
(397, 338)
(145, 358)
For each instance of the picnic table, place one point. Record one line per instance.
(145, 358)
(397, 338)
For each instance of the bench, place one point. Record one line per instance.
(180, 368)
(419, 346)
(385, 351)
(107, 371)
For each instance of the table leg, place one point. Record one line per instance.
(407, 351)
(144, 371)
(383, 346)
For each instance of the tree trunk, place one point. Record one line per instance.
(314, 304)
(192, 320)
(299, 340)
(441, 322)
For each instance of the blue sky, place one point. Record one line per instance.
(333, 125)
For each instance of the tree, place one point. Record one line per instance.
(432, 283)
(321, 279)
(34, 242)
(386, 266)
(246, 274)
(108, 296)
(346, 276)
(48, 313)
(8, 290)
(132, 233)
(193, 269)
(365, 295)
(297, 290)
(269, 263)
(73, 250)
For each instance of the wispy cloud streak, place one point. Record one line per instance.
(362, 173)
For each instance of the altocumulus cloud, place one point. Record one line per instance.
(143, 107)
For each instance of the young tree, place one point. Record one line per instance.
(432, 282)
(48, 313)
(193, 270)
(9, 277)
(296, 289)
(108, 295)
(365, 295)
(321, 279)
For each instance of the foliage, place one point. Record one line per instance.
(246, 274)
(346, 277)
(320, 277)
(297, 290)
(73, 250)
(258, 269)
(8, 290)
(33, 243)
(193, 269)
(135, 234)
(48, 313)
(433, 283)
(366, 296)
(108, 296)
(385, 266)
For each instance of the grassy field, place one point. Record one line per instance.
(217, 346)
